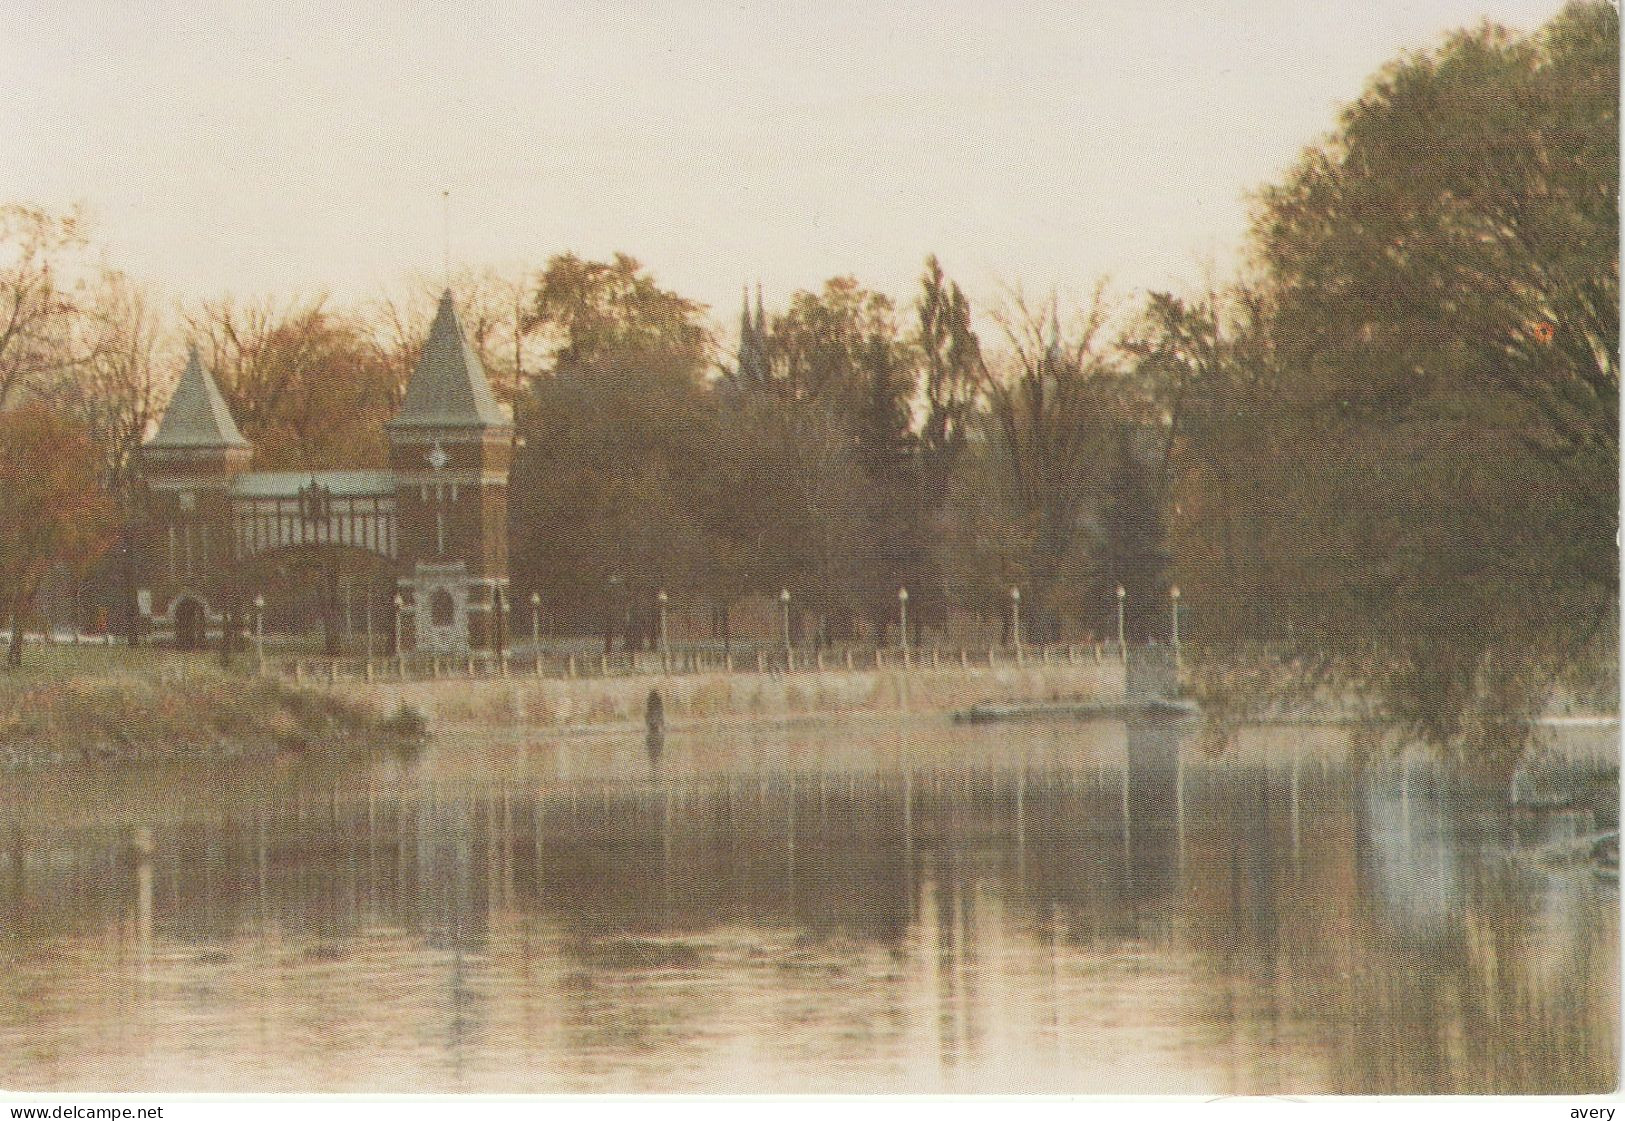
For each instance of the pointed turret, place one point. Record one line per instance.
(448, 388)
(747, 339)
(1054, 356)
(752, 341)
(197, 417)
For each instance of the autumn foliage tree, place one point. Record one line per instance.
(306, 383)
(496, 309)
(1410, 414)
(53, 510)
(606, 487)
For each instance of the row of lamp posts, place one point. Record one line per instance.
(902, 617)
(784, 604)
(1122, 594)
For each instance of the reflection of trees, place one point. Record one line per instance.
(732, 851)
(1154, 806)
(1418, 961)
(637, 915)
(1483, 991)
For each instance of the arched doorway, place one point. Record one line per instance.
(189, 624)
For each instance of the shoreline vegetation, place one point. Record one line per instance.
(82, 705)
(109, 705)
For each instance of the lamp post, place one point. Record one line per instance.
(259, 631)
(400, 605)
(665, 638)
(1122, 643)
(1015, 617)
(784, 604)
(1173, 597)
(536, 622)
(368, 613)
(902, 618)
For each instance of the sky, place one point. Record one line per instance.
(272, 147)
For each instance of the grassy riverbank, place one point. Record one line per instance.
(108, 704)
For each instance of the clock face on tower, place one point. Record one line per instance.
(437, 457)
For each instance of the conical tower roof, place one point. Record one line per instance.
(197, 415)
(448, 388)
(749, 370)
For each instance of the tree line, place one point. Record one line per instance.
(850, 446)
(1389, 442)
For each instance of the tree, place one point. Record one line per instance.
(588, 311)
(54, 513)
(606, 508)
(951, 358)
(118, 392)
(42, 270)
(1029, 497)
(306, 385)
(1133, 547)
(790, 508)
(1227, 472)
(606, 497)
(1441, 372)
(120, 387)
(497, 313)
(842, 348)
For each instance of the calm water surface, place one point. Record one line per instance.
(850, 906)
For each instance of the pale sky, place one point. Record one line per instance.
(269, 146)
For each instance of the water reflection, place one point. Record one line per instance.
(900, 906)
(1153, 806)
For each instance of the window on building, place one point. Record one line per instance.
(441, 608)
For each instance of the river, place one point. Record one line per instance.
(840, 905)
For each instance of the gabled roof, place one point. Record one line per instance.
(448, 388)
(197, 416)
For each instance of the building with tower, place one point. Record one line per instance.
(430, 532)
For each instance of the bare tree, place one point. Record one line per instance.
(120, 388)
(1029, 489)
(306, 384)
(43, 257)
(118, 394)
